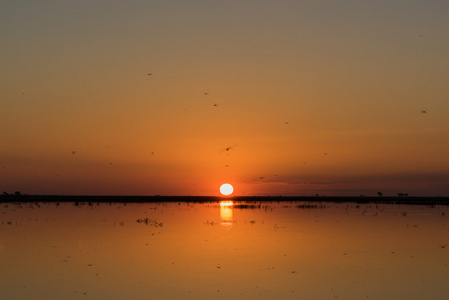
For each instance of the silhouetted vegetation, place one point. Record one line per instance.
(247, 206)
(310, 206)
(240, 202)
(150, 222)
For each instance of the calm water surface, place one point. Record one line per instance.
(286, 250)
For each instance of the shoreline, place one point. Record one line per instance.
(422, 200)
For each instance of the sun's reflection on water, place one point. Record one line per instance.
(226, 213)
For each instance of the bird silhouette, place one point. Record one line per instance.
(424, 111)
(73, 152)
(227, 149)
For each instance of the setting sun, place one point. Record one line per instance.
(226, 189)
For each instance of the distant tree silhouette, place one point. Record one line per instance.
(379, 194)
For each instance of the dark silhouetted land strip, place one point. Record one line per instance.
(243, 199)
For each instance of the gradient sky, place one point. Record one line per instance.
(286, 82)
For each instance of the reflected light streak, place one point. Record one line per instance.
(226, 213)
(226, 203)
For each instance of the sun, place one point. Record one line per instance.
(226, 189)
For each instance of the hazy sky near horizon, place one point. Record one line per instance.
(274, 97)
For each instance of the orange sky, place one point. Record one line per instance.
(286, 82)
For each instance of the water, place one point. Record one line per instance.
(282, 250)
